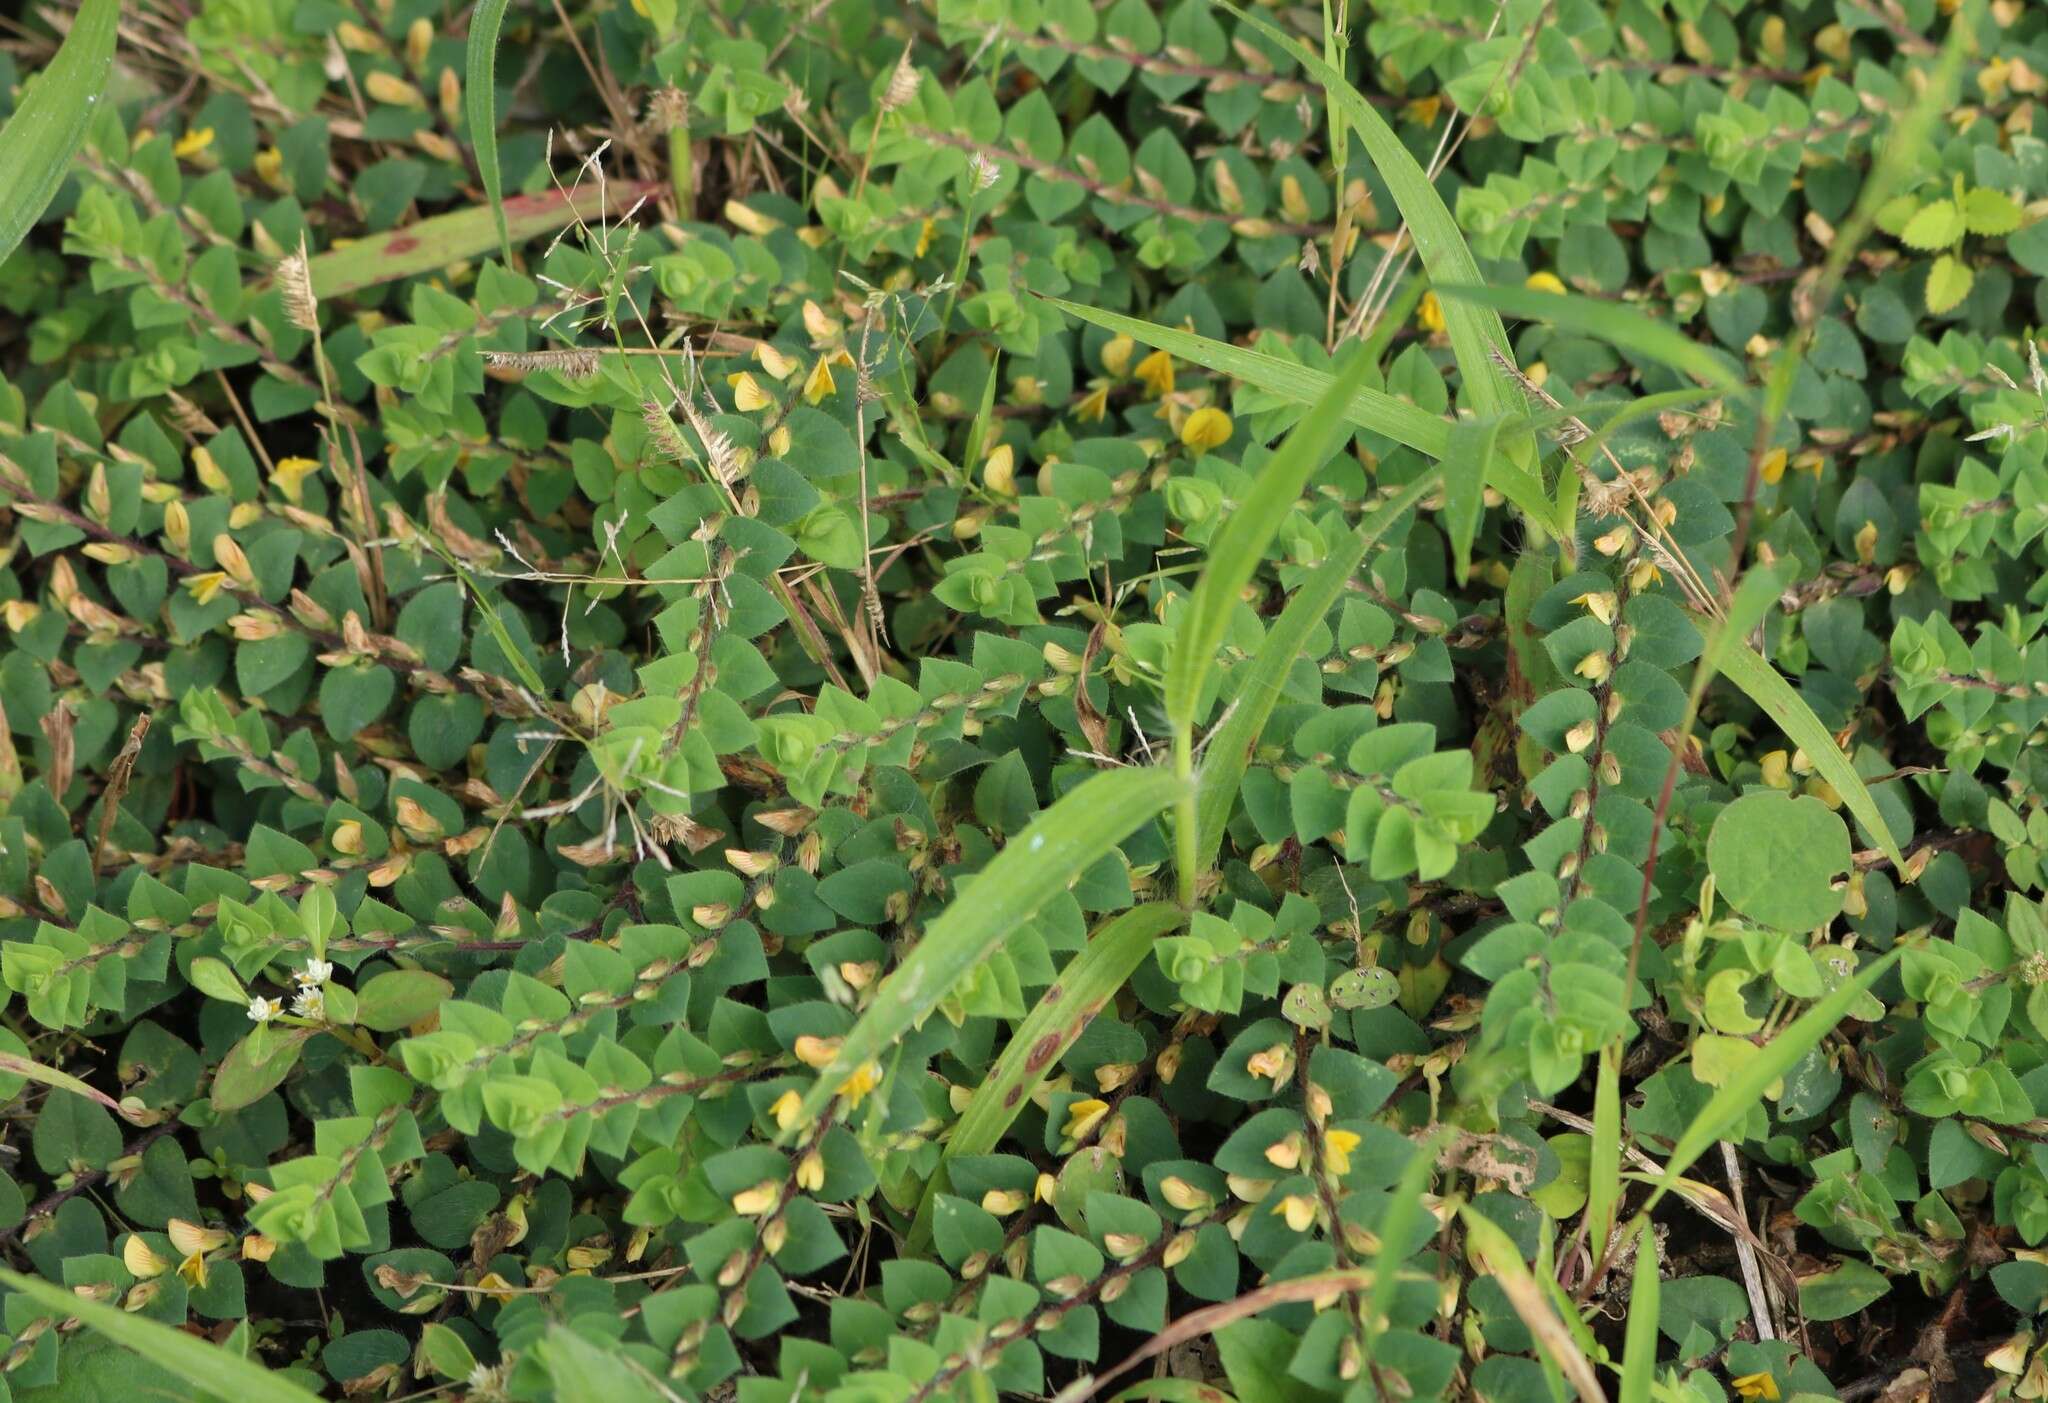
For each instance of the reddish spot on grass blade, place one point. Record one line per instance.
(449, 238)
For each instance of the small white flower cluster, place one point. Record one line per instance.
(309, 1002)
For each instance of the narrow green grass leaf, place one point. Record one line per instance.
(51, 1076)
(1237, 549)
(1369, 409)
(190, 1358)
(1476, 332)
(1745, 1089)
(1472, 448)
(1619, 326)
(1230, 745)
(1052, 851)
(1403, 1229)
(1767, 687)
(1639, 1341)
(1603, 1181)
(480, 100)
(39, 140)
(1082, 989)
(449, 238)
(1495, 1253)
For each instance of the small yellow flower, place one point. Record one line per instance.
(209, 472)
(1757, 1386)
(823, 329)
(290, 477)
(497, 1288)
(205, 586)
(926, 232)
(999, 473)
(816, 1052)
(1206, 428)
(1117, 353)
(1275, 1063)
(1083, 1117)
(1180, 1194)
(193, 1269)
(1298, 1209)
(1772, 468)
(787, 1110)
(749, 1203)
(773, 361)
(1593, 667)
(865, 1078)
(1003, 1202)
(1775, 766)
(1337, 1148)
(747, 394)
(190, 1237)
(192, 143)
(1544, 282)
(1599, 603)
(140, 1260)
(1094, 406)
(1156, 370)
(1430, 314)
(1423, 110)
(810, 1172)
(393, 90)
(820, 385)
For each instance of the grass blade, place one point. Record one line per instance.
(1082, 988)
(449, 238)
(39, 140)
(1622, 327)
(1764, 685)
(480, 99)
(1057, 846)
(1404, 1228)
(1746, 1088)
(1241, 544)
(1495, 1254)
(1476, 332)
(1603, 1182)
(207, 1366)
(1639, 1359)
(1230, 746)
(1369, 409)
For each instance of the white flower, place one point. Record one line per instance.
(316, 973)
(310, 1002)
(262, 1010)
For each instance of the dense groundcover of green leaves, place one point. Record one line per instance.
(700, 794)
